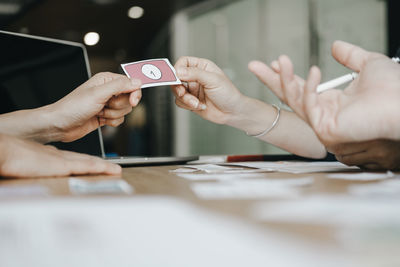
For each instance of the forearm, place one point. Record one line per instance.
(3, 153)
(34, 124)
(290, 133)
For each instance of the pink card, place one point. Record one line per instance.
(153, 72)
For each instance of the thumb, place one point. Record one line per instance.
(351, 56)
(116, 87)
(208, 80)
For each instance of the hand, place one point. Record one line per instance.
(366, 110)
(224, 104)
(103, 100)
(270, 76)
(209, 93)
(371, 155)
(22, 158)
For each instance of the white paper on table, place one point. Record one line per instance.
(79, 186)
(336, 210)
(277, 182)
(211, 168)
(220, 176)
(297, 167)
(184, 170)
(363, 176)
(251, 189)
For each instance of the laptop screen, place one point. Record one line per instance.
(38, 71)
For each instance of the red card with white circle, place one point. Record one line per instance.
(153, 72)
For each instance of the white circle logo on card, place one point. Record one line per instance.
(151, 71)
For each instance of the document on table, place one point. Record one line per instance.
(225, 176)
(258, 166)
(333, 210)
(296, 167)
(208, 168)
(79, 187)
(363, 176)
(251, 188)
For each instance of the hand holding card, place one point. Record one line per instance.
(152, 73)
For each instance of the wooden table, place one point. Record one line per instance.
(159, 181)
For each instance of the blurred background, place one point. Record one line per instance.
(231, 33)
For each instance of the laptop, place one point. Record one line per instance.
(37, 71)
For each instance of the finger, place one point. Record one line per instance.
(349, 148)
(112, 114)
(275, 66)
(194, 89)
(119, 102)
(372, 167)
(117, 87)
(114, 122)
(182, 105)
(93, 166)
(192, 102)
(267, 76)
(134, 98)
(310, 97)
(196, 62)
(293, 93)
(356, 159)
(351, 56)
(178, 90)
(103, 78)
(102, 121)
(207, 79)
(277, 69)
(79, 163)
(187, 62)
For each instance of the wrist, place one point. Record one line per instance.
(48, 130)
(252, 116)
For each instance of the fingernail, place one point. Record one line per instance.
(181, 71)
(203, 106)
(136, 83)
(194, 103)
(181, 92)
(137, 100)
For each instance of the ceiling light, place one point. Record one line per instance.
(91, 38)
(135, 12)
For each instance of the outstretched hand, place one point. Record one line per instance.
(209, 93)
(103, 100)
(367, 109)
(22, 158)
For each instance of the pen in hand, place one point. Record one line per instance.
(343, 80)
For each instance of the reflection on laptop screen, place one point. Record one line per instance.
(35, 72)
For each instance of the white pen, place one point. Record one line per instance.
(342, 80)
